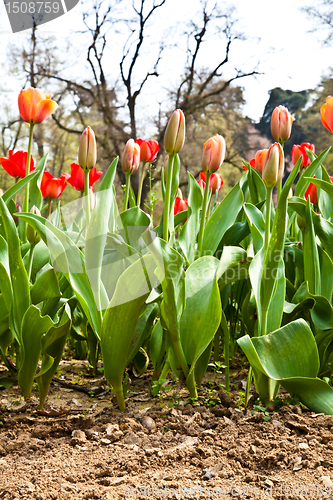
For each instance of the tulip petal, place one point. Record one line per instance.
(44, 109)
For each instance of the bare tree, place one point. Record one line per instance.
(321, 14)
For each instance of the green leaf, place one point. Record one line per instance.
(257, 225)
(171, 274)
(290, 356)
(52, 346)
(157, 345)
(6, 382)
(121, 318)
(202, 313)
(304, 179)
(233, 266)
(68, 259)
(97, 231)
(188, 235)
(34, 326)
(18, 274)
(16, 188)
(221, 219)
(35, 195)
(310, 253)
(143, 327)
(46, 287)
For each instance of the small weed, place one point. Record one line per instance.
(259, 408)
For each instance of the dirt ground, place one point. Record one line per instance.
(82, 447)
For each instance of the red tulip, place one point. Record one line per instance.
(312, 192)
(180, 205)
(326, 114)
(148, 150)
(52, 187)
(299, 150)
(213, 154)
(76, 179)
(35, 106)
(252, 163)
(87, 149)
(281, 123)
(215, 182)
(16, 164)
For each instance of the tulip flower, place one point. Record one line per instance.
(180, 205)
(52, 187)
(213, 154)
(299, 150)
(174, 136)
(131, 157)
(16, 164)
(312, 192)
(215, 182)
(252, 163)
(35, 106)
(148, 150)
(281, 123)
(260, 159)
(326, 114)
(76, 179)
(87, 149)
(273, 167)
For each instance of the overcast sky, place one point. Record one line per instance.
(291, 57)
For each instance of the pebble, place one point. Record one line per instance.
(327, 480)
(78, 437)
(303, 446)
(105, 442)
(132, 438)
(113, 432)
(148, 423)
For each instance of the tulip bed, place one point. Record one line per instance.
(173, 293)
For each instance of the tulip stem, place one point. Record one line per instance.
(49, 208)
(191, 385)
(31, 254)
(86, 196)
(27, 171)
(203, 214)
(269, 191)
(279, 189)
(181, 356)
(127, 190)
(142, 177)
(167, 200)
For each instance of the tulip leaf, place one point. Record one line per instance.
(325, 200)
(202, 313)
(143, 327)
(52, 346)
(18, 274)
(16, 188)
(97, 231)
(221, 219)
(171, 274)
(290, 356)
(34, 326)
(257, 225)
(276, 244)
(68, 259)
(45, 287)
(307, 176)
(157, 345)
(310, 253)
(121, 319)
(35, 195)
(233, 266)
(188, 235)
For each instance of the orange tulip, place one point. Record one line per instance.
(298, 150)
(326, 114)
(213, 154)
(35, 106)
(281, 123)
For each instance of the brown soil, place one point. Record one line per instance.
(82, 447)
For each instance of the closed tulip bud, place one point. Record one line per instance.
(15, 217)
(32, 235)
(326, 114)
(87, 149)
(299, 150)
(273, 168)
(131, 157)
(174, 136)
(281, 123)
(260, 159)
(213, 154)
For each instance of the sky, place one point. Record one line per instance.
(278, 36)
